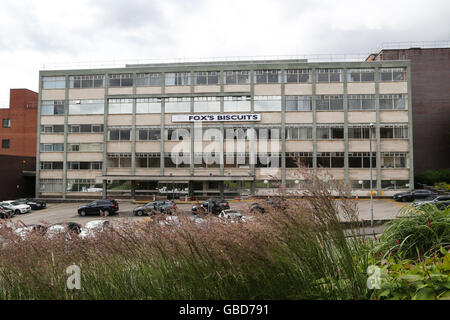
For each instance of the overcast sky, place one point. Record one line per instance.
(33, 33)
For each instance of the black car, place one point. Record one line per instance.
(5, 213)
(152, 208)
(442, 205)
(101, 207)
(413, 195)
(217, 205)
(33, 203)
(257, 207)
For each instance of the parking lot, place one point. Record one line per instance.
(67, 212)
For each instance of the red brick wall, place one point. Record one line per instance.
(23, 115)
(430, 81)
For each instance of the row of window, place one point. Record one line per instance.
(238, 160)
(230, 104)
(230, 77)
(303, 132)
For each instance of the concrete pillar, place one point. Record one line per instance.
(104, 189)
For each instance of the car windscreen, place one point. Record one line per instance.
(15, 203)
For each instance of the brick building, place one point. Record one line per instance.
(430, 81)
(18, 144)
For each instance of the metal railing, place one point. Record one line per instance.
(345, 57)
(412, 44)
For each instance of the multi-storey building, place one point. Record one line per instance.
(18, 144)
(223, 127)
(430, 83)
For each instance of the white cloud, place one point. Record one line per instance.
(37, 32)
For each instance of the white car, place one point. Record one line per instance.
(232, 215)
(92, 227)
(16, 207)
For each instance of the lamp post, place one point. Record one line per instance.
(371, 126)
(266, 182)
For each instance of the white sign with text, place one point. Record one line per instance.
(216, 117)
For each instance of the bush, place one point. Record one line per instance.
(442, 186)
(416, 232)
(301, 252)
(430, 177)
(427, 279)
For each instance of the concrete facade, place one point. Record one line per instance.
(321, 112)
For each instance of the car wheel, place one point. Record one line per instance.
(106, 213)
(140, 213)
(82, 213)
(17, 212)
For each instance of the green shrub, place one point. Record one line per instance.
(416, 232)
(442, 186)
(430, 177)
(428, 279)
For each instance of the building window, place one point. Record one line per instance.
(86, 106)
(85, 165)
(173, 160)
(6, 123)
(206, 78)
(119, 134)
(393, 102)
(361, 159)
(148, 79)
(330, 103)
(267, 76)
(358, 132)
(237, 104)
(361, 102)
(52, 107)
(334, 133)
(56, 128)
(148, 105)
(206, 104)
(393, 132)
(148, 160)
(393, 160)
(120, 106)
(268, 160)
(81, 185)
(207, 160)
(88, 81)
(178, 79)
(392, 74)
(53, 82)
(5, 143)
(50, 185)
(360, 75)
(177, 105)
(119, 160)
(267, 103)
(152, 134)
(330, 159)
(329, 75)
(298, 133)
(268, 133)
(298, 103)
(52, 147)
(57, 165)
(237, 77)
(86, 128)
(85, 147)
(298, 76)
(177, 134)
(120, 80)
(296, 159)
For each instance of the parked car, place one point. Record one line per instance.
(217, 205)
(6, 213)
(92, 227)
(16, 207)
(442, 205)
(431, 200)
(25, 231)
(257, 207)
(33, 203)
(68, 229)
(152, 208)
(106, 207)
(414, 195)
(232, 215)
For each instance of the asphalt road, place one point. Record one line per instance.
(67, 212)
